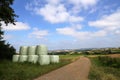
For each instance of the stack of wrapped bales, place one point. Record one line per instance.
(15, 58)
(23, 55)
(44, 58)
(41, 50)
(54, 58)
(35, 54)
(32, 57)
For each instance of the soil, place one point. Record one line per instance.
(114, 55)
(77, 70)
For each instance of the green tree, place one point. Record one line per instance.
(7, 15)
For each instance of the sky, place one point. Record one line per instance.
(65, 24)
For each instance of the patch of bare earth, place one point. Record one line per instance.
(77, 70)
(114, 55)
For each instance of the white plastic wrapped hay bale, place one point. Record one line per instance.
(44, 59)
(33, 58)
(41, 50)
(54, 58)
(31, 50)
(23, 50)
(23, 58)
(43, 53)
(15, 58)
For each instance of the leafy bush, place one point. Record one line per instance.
(6, 50)
(109, 61)
(99, 71)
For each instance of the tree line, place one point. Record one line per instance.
(7, 15)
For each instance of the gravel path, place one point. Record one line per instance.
(77, 70)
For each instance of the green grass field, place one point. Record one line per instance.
(70, 58)
(28, 71)
(105, 68)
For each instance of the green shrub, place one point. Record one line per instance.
(109, 61)
(6, 50)
(100, 71)
(108, 77)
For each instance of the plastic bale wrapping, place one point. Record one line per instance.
(44, 59)
(54, 58)
(43, 53)
(33, 58)
(31, 50)
(23, 50)
(41, 50)
(15, 58)
(23, 58)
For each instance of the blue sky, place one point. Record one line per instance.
(65, 24)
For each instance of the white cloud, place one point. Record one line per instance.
(76, 32)
(18, 26)
(56, 11)
(8, 36)
(84, 3)
(75, 18)
(107, 25)
(77, 26)
(54, 2)
(54, 14)
(66, 31)
(117, 32)
(80, 5)
(38, 33)
(108, 22)
(100, 33)
(57, 14)
(70, 30)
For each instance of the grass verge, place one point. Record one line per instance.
(70, 58)
(100, 71)
(28, 71)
